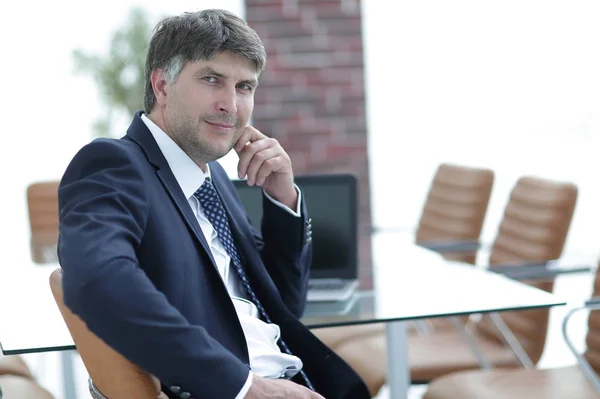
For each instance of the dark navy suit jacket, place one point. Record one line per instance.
(139, 272)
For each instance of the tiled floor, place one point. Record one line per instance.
(574, 289)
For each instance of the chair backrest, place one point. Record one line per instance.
(113, 375)
(455, 207)
(592, 352)
(534, 228)
(42, 201)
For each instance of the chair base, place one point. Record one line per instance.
(96, 394)
(94, 391)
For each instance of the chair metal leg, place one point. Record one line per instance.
(588, 371)
(422, 327)
(469, 339)
(512, 341)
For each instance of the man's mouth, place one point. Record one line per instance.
(222, 125)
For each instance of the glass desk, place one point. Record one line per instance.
(421, 288)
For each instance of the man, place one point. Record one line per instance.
(159, 258)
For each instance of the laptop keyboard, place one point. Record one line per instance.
(330, 289)
(326, 284)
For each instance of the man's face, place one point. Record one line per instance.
(208, 106)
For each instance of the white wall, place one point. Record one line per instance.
(511, 85)
(47, 110)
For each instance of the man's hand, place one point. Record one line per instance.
(263, 388)
(266, 164)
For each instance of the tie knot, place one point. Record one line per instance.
(207, 193)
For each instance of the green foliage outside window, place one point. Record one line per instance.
(119, 75)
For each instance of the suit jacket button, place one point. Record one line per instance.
(175, 389)
(185, 395)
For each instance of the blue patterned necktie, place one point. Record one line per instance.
(214, 211)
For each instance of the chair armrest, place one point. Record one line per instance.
(547, 274)
(502, 268)
(379, 230)
(588, 371)
(450, 246)
(592, 302)
(537, 271)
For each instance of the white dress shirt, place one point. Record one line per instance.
(266, 359)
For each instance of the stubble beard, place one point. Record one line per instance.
(190, 139)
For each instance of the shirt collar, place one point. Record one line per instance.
(189, 176)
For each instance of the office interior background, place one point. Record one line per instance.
(513, 86)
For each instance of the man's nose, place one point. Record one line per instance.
(227, 101)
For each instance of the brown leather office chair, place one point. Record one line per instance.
(534, 228)
(453, 212)
(17, 387)
(14, 365)
(42, 201)
(17, 381)
(558, 383)
(455, 208)
(113, 375)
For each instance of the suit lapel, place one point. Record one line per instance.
(139, 133)
(170, 183)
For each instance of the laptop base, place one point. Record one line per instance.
(325, 290)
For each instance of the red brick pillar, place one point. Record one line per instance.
(311, 95)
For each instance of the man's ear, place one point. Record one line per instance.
(159, 86)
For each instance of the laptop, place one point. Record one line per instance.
(331, 201)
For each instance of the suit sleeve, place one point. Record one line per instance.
(103, 209)
(287, 252)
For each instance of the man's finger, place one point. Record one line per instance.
(248, 153)
(269, 166)
(243, 140)
(249, 135)
(258, 162)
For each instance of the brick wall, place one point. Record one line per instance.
(311, 96)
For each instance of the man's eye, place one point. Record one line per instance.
(244, 86)
(210, 79)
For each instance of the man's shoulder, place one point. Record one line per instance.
(122, 145)
(104, 154)
(108, 149)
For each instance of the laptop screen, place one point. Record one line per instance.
(331, 204)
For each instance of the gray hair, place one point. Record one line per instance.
(198, 36)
